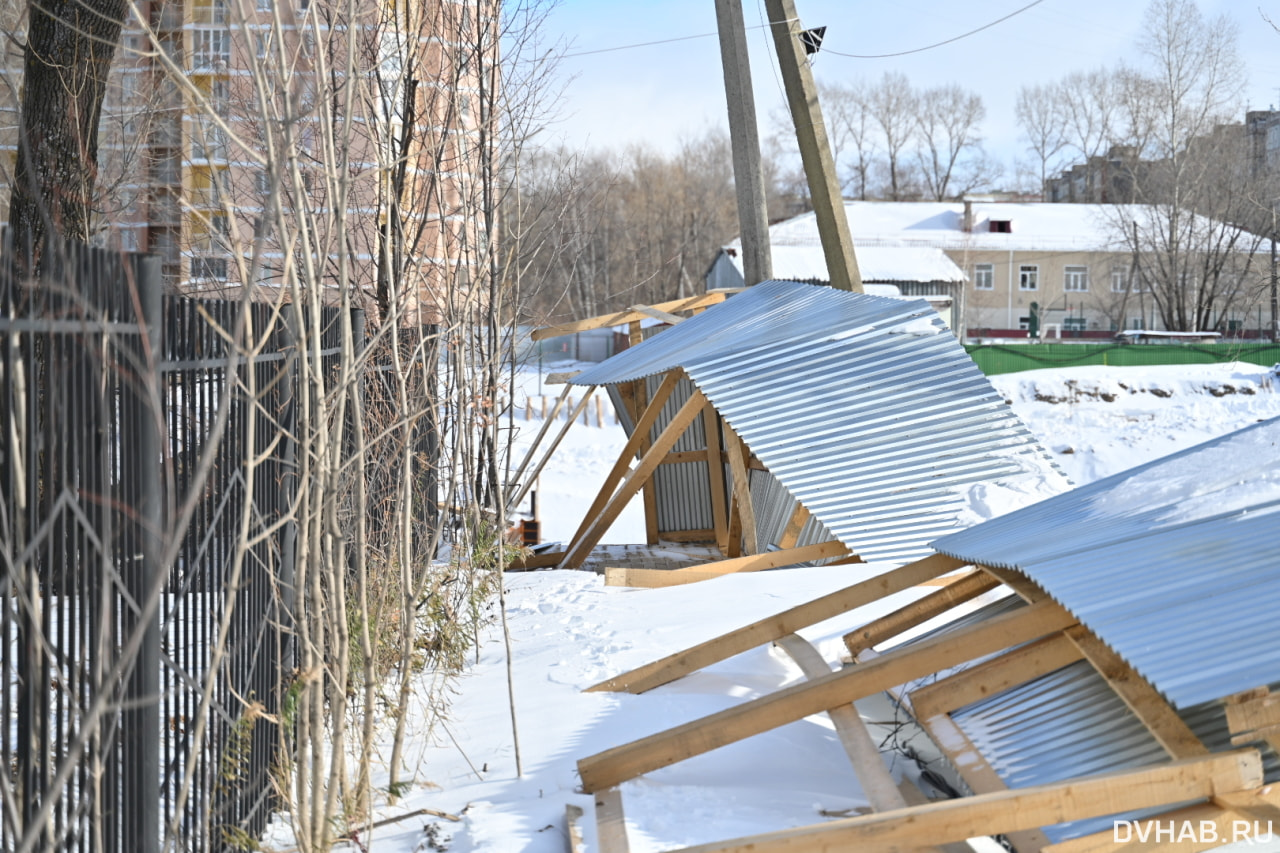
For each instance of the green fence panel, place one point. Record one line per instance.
(1011, 358)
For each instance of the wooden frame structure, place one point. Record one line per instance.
(1019, 645)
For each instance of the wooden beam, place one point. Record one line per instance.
(770, 628)
(1220, 812)
(733, 536)
(791, 533)
(771, 559)
(720, 568)
(994, 676)
(874, 777)
(621, 318)
(546, 425)
(715, 476)
(635, 444)
(926, 657)
(918, 612)
(578, 551)
(738, 454)
(915, 797)
(611, 825)
(680, 457)
(1009, 811)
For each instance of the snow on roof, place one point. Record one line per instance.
(863, 407)
(1033, 226)
(875, 264)
(1173, 563)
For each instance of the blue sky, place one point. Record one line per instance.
(657, 95)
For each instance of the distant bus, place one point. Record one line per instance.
(1144, 336)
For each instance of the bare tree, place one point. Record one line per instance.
(894, 106)
(852, 126)
(1040, 115)
(950, 153)
(1089, 106)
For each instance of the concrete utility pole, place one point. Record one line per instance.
(1275, 315)
(815, 149)
(748, 174)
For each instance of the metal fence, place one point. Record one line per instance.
(994, 359)
(145, 669)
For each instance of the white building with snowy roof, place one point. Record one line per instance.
(1002, 269)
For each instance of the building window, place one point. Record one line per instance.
(1137, 323)
(214, 269)
(1074, 324)
(212, 47)
(984, 277)
(1001, 226)
(129, 240)
(264, 5)
(1119, 279)
(1075, 279)
(1028, 277)
(262, 182)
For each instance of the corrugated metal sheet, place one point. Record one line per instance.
(864, 408)
(1070, 723)
(1174, 564)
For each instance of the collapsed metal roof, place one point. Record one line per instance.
(1173, 564)
(865, 408)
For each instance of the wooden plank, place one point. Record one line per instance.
(611, 826)
(634, 480)
(767, 630)
(649, 494)
(680, 457)
(994, 676)
(654, 578)
(1144, 700)
(573, 829)
(635, 444)
(715, 476)
(926, 657)
(771, 559)
(561, 378)
(915, 797)
(621, 318)
(918, 612)
(868, 765)
(1219, 812)
(1012, 810)
(650, 578)
(537, 561)
(738, 454)
(1261, 710)
(791, 533)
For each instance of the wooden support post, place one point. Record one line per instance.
(578, 551)
(706, 571)
(733, 539)
(715, 477)
(926, 657)
(573, 829)
(1012, 810)
(918, 612)
(770, 628)
(546, 425)
(875, 778)
(791, 534)
(635, 445)
(738, 455)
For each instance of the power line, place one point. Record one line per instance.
(644, 44)
(936, 44)
(824, 50)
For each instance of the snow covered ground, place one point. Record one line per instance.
(569, 632)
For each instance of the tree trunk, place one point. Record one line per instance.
(70, 46)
